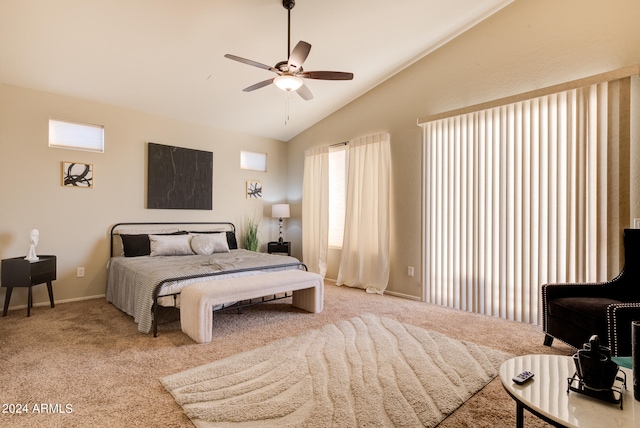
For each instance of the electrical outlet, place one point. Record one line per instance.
(636, 223)
(80, 272)
(410, 271)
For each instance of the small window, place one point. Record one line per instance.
(78, 136)
(253, 161)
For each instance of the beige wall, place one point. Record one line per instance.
(527, 45)
(74, 223)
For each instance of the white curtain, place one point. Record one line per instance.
(515, 197)
(365, 250)
(315, 209)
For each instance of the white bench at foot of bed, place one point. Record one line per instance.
(198, 300)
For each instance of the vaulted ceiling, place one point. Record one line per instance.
(166, 57)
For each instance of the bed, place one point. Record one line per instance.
(151, 263)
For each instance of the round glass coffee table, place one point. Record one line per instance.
(546, 395)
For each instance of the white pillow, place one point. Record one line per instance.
(209, 243)
(170, 245)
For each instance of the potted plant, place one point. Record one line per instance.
(250, 239)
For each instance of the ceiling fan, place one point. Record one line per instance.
(290, 72)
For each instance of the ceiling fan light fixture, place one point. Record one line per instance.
(290, 72)
(288, 83)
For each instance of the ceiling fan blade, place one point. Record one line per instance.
(305, 93)
(326, 75)
(253, 63)
(258, 85)
(299, 55)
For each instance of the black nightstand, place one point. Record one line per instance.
(279, 247)
(18, 272)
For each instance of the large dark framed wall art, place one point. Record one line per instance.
(179, 178)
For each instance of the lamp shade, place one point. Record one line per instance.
(280, 211)
(287, 82)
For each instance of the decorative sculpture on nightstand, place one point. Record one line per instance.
(33, 238)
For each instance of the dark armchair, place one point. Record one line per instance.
(574, 312)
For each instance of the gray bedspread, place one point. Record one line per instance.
(132, 280)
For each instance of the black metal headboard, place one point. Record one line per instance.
(154, 227)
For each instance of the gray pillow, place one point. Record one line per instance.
(206, 244)
(170, 245)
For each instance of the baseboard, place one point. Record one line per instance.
(391, 293)
(76, 299)
(404, 296)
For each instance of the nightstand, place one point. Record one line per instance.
(18, 272)
(279, 247)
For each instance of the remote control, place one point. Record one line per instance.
(522, 377)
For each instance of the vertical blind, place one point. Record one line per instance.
(514, 197)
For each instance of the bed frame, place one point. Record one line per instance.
(197, 227)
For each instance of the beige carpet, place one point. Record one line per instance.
(90, 355)
(367, 371)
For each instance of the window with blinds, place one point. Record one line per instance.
(519, 195)
(253, 161)
(78, 136)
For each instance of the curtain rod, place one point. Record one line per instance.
(579, 83)
(344, 143)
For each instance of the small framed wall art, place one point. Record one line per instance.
(76, 174)
(254, 190)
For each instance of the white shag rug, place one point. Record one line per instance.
(367, 371)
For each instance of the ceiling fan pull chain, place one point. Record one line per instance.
(286, 107)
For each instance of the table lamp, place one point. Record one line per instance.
(280, 211)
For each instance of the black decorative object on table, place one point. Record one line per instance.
(18, 272)
(596, 373)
